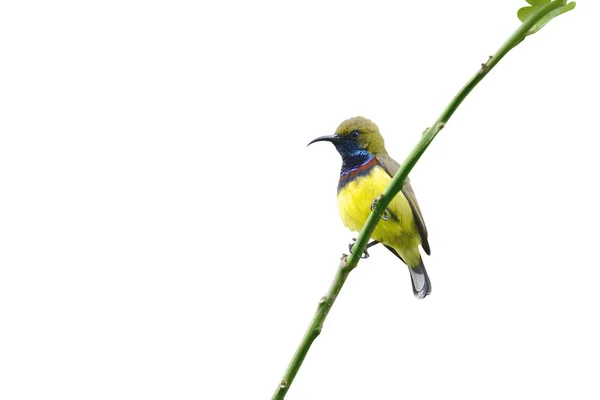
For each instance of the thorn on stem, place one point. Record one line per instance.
(283, 384)
(485, 64)
(322, 300)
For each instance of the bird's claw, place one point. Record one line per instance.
(365, 253)
(375, 200)
(386, 213)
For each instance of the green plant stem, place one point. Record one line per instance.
(315, 327)
(348, 263)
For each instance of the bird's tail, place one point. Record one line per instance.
(418, 275)
(420, 281)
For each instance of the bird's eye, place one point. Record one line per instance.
(355, 134)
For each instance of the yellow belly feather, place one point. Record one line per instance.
(354, 206)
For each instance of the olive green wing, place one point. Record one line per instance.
(391, 167)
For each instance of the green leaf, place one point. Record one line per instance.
(525, 12)
(568, 7)
(538, 2)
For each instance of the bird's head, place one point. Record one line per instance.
(354, 136)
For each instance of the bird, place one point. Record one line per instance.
(367, 169)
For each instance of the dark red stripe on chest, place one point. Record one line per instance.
(355, 173)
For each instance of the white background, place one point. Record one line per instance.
(166, 234)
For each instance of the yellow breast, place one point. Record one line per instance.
(354, 206)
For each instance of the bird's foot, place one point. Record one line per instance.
(387, 213)
(375, 200)
(365, 252)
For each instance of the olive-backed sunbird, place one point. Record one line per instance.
(367, 170)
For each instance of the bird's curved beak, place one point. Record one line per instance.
(329, 138)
